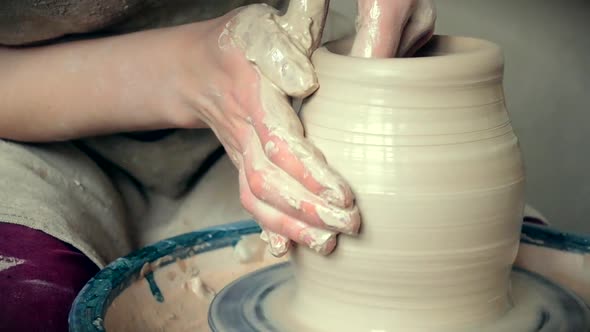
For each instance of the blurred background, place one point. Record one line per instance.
(547, 85)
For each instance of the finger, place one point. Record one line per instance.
(273, 221)
(419, 28)
(277, 56)
(281, 134)
(276, 188)
(278, 245)
(304, 20)
(380, 27)
(287, 67)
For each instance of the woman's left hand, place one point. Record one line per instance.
(242, 80)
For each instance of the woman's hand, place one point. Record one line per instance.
(393, 28)
(255, 61)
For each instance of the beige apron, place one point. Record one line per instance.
(108, 196)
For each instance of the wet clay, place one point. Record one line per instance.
(387, 29)
(185, 288)
(537, 305)
(427, 147)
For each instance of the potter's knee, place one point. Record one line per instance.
(39, 276)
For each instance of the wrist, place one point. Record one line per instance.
(196, 57)
(163, 52)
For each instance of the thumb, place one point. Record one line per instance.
(304, 20)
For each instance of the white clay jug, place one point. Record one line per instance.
(428, 149)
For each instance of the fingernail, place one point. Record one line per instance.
(334, 197)
(278, 245)
(338, 195)
(322, 242)
(345, 221)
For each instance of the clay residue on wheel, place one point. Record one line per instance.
(187, 286)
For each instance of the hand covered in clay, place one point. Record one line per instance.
(261, 59)
(393, 28)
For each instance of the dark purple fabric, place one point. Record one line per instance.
(39, 279)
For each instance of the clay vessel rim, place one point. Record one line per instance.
(445, 60)
(440, 46)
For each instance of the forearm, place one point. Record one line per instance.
(115, 84)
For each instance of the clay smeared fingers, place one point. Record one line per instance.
(393, 28)
(281, 134)
(286, 66)
(277, 188)
(257, 31)
(380, 26)
(274, 221)
(304, 21)
(419, 28)
(278, 245)
(302, 161)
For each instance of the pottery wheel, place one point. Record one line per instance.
(539, 305)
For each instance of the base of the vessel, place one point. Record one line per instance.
(538, 305)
